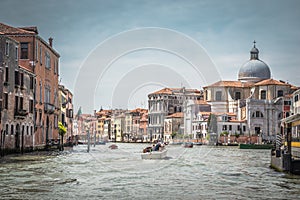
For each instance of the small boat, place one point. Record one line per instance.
(155, 154)
(188, 145)
(175, 143)
(256, 146)
(113, 146)
(101, 142)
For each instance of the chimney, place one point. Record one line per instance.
(50, 41)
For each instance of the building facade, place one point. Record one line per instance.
(253, 98)
(166, 102)
(39, 57)
(17, 100)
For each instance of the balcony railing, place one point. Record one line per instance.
(49, 108)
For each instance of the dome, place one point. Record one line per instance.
(254, 70)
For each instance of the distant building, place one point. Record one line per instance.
(173, 126)
(166, 102)
(66, 110)
(253, 98)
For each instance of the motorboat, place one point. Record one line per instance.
(113, 146)
(160, 154)
(188, 145)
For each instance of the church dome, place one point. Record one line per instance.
(255, 69)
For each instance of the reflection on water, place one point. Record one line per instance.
(201, 172)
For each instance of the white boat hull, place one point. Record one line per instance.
(154, 154)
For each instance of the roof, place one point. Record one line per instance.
(176, 115)
(175, 90)
(139, 110)
(9, 30)
(239, 84)
(271, 82)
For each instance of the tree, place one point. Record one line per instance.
(62, 131)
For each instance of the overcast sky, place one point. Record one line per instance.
(128, 49)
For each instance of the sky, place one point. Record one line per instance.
(114, 53)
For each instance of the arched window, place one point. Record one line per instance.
(257, 114)
(12, 129)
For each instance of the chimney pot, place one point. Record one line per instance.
(50, 41)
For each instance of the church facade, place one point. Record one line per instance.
(257, 100)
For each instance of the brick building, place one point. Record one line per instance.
(39, 57)
(16, 100)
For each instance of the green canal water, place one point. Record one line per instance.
(201, 172)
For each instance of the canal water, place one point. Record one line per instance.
(202, 172)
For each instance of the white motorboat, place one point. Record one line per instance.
(155, 154)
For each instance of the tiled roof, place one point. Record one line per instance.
(139, 110)
(230, 84)
(163, 91)
(176, 115)
(9, 30)
(271, 82)
(175, 90)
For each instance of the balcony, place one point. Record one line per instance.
(21, 113)
(49, 108)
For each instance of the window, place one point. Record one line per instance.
(12, 129)
(31, 106)
(6, 74)
(47, 94)
(5, 101)
(230, 127)
(244, 128)
(263, 94)
(47, 60)
(17, 78)
(6, 129)
(7, 48)
(41, 123)
(56, 67)
(258, 114)
(31, 130)
(22, 79)
(279, 93)
(36, 50)
(21, 103)
(296, 98)
(27, 130)
(41, 53)
(41, 93)
(224, 127)
(31, 83)
(17, 53)
(24, 50)
(237, 96)
(16, 103)
(218, 96)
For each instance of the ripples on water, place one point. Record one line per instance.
(201, 172)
